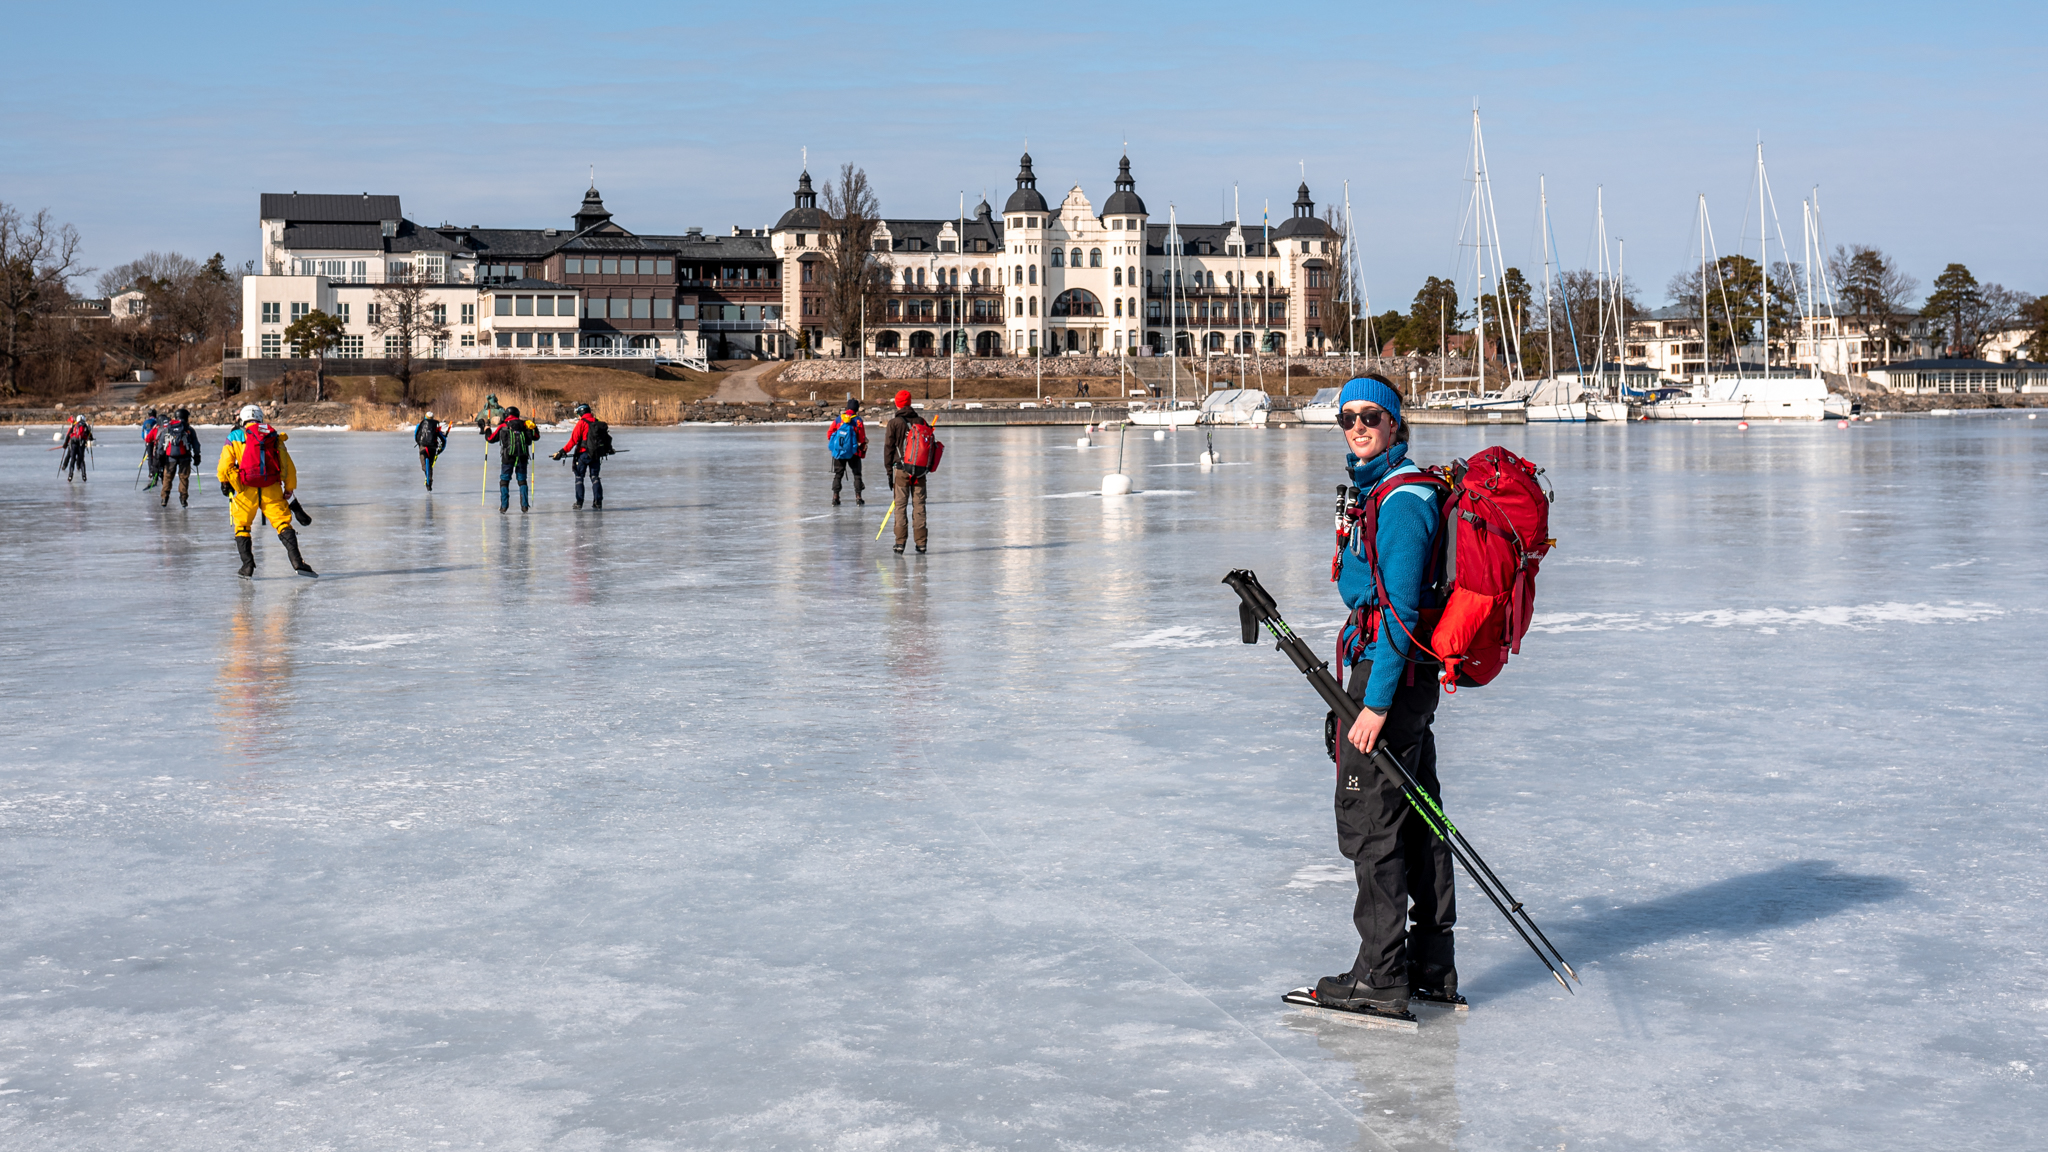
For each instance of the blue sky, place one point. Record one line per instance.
(149, 126)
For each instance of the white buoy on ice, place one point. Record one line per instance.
(24, 431)
(1116, 484)
(1081, 443)
(1159, 433)
(1841, 424)
(2033, 416)
(1208, 458)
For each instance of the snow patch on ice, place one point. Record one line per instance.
(1178, 636)
(372, 643)
(1316, 874)
(1769, 620)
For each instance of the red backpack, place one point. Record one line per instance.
(1494, 533)
(921, 449)
(262, 463)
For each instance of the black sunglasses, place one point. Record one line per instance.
(1371, 417)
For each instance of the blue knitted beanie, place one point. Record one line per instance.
(1372, 392)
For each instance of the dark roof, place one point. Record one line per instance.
(348, 236)
(1026, 198)
(1124, 201)
(979, 226)
(1198, 237)
(363, 209)
(413, 238)
(717, 247)
(1303, 222)
(527, 284)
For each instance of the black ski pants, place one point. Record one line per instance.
(839, 468)
(1404, 872)
(593, 464)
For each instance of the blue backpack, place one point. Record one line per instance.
(844, 441)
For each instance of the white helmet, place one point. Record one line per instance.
(430, 415)
(251, 412)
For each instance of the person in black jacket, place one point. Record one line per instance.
(514, 437)
(178, 445)
(909, 485)
(431, 439)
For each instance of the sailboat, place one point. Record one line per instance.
(1487, 265)
(1552, 400)
(1173, 412)
(1740, 396)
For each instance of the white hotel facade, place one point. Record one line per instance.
(1037, 279)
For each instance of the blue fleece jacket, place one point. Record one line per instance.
(1408, 523)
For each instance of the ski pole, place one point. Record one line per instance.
(1257, 608)
(885, 519)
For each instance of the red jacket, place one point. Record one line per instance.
(579, 434)
(860, 433)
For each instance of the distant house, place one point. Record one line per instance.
(1953, 376)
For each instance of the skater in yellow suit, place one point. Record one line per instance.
(273, 500)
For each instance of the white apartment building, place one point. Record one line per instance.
(1668, 340)
(1074, 280)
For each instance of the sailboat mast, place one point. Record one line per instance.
(1549, 314)
(1620, 317)
(1763, 239)
(1706, 349)
(1237, 225)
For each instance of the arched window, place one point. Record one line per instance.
(1133, 306)
(885, 341)
(1119, 277)
(1034, 274)
(920, 277)
(1020, 305)
(955, 279)
(1034, 305)
(1077, 258)
(1148, 277)
(1119, 305)
(1076, 302)
(1095, 257)
(1058, 257)
(1131, 277)
(893, 309)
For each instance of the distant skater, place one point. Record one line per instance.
(151, 453)
(590, 441)
(77, 439)
(909, 453)
(431, 439)
(514, 436)
(178, 447)
(257, 474)
(847, 440)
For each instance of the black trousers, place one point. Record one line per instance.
(587, 462)
(1404, 872)
(839, 468)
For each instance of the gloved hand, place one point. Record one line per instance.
(559, 453)
(227, 490)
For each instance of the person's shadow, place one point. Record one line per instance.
(1789, 894)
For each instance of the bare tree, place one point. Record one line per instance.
(405, 316)
(1873, 291)
(312, 335)
(38, 257)
(852, 276)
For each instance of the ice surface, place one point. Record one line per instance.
(705, 822)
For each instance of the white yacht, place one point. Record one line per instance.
(1237, 406)
(1322, 409)
(1748, 398)
(1165, 414)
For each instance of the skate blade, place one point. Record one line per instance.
(1458, 1005)
(1304, 999)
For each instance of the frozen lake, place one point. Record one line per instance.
(705, 822)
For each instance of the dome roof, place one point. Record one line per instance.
(1124, 201)
(1026, 197)
(805, 214)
